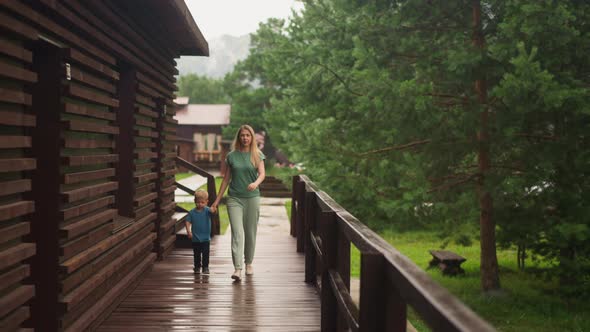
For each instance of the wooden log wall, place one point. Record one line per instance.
(86, 160)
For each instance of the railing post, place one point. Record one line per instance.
(293, 230)
(329, 234)
(211, 190)
(300, 217)
(310, 254)
(378, 309)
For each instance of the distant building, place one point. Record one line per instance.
(199, 132)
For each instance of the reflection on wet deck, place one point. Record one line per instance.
(171, 297)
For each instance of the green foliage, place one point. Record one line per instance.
(202, 89)
(528, 301)
(377, 100)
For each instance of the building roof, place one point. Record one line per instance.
(174, 25)
(204, 114)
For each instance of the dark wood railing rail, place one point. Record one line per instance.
(211, 189)
(389, 281)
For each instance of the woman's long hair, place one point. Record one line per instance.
(254, 151)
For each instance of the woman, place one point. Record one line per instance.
(244, 173)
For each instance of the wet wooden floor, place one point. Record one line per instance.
(275, 298)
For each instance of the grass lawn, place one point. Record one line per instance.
(180, 176)
(526, 303)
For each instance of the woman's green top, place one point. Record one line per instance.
(242, 174)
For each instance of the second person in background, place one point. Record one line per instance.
(244, 173)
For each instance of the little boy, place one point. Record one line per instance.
(198, 229)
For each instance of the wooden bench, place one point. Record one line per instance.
(448, 261)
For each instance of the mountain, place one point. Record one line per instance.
(224, 53)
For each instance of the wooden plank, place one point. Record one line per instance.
(273, 299)
(14, 231)
(87, 143)
(15, 275)
(145, 123)
(58, 30)
(144, 211)
(121, 35)
(13, 321)
(17, 73)
(168, 190)
(145, 144)
(90, 315)
(15, 97)
(16, 254)
(15, 142)
(14, 165)
(145, 133)
(81, 209)
(168, 207)
(145, 199)
(88, 111)
(18, 27)
(90, 63)
(91, 96)
(140, 190)
(146, 112)
(14, 187)
(85, 241)
(17, 209)
(15, 298)
(81, 76)
(77, 125)
(15, 51)
(89, 160)
(73, 230)
(91, 191)
(83, 258)
(145, 177)
(77, 295)
(145, 155)
(145, 101)
(106, 173)
(17, 119)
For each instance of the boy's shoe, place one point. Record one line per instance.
(196, 270)
(237, 276)
(249, 270)
(205, 270)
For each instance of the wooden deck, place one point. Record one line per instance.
(171, 297)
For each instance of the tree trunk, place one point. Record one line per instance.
(489, 262)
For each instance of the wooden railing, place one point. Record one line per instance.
(389, 281)
(215, 227)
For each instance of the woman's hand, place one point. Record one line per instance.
(252, 186)
(213, 207)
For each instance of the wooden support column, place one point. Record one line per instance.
(161, 107)
(300, 216)
(125, 142)
(47, 62)
(329, 234)
(310, 254)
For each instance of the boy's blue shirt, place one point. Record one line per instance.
(200, 224)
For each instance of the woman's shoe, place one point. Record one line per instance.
(249, 270)
(237, 276)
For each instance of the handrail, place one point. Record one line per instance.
(211, 189)
(389, 281)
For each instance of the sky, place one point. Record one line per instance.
(237, 17)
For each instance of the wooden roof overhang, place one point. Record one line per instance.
(169, 22)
